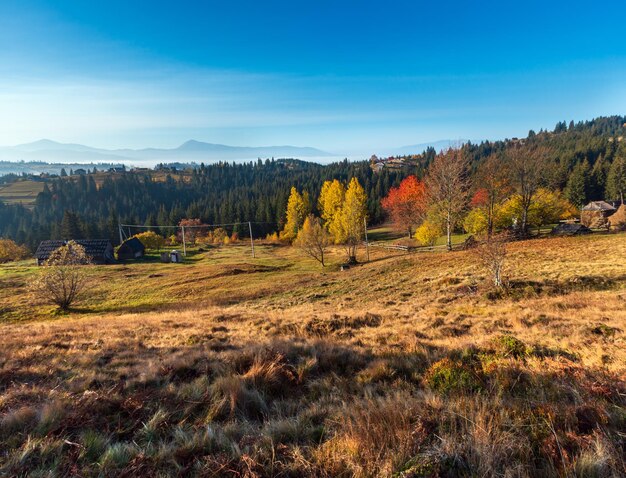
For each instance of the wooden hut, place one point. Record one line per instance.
(131, 248)
(595, 214)
(99, 251)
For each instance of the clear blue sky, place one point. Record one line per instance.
(342, 76)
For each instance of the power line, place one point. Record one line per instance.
(124, 236)
(143, 226)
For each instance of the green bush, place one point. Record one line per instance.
(508, 346)
(450, 376)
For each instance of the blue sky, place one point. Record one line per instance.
(349, 77)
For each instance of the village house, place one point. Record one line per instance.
(99, 251)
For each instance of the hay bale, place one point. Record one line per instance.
(618, 219)
(593, 219)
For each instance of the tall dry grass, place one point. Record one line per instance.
(403, 367)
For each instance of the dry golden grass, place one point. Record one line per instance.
(407, 366)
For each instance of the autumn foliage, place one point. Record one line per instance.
(194, 229)
(151, 240)
(406, 204)
(10, 251)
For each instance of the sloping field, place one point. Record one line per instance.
(21, 192)
(407, 366)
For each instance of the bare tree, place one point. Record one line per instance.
(493, 179)
(313, 239)
(527, 169)
(63, 277)
(447, 188)
(492, 254)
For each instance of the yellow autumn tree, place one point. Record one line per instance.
(546, 207)
(298, 208)
(151, 240)
(10, 251)
(330, 201)
(313, 239)
(348, 224)
(428, 233)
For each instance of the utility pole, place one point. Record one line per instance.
(251, 239)
(184, 245)
(367, 245)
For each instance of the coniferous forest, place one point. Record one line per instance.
(581, 158)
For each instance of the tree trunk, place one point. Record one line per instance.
(497, 279)
(449, 232)
(490, 218)
(523, 230)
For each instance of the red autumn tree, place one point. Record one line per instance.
(193, 228)
(406, 204)
(480, 198)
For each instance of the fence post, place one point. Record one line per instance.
(184, 245)
(251, 239)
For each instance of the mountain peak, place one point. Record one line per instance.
(40, 143)
(195, 145)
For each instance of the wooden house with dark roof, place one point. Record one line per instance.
(99, 251)
(131, 248)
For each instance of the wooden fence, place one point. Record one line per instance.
(400, 247)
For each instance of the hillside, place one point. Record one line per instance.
(403, 366)
(578, 162)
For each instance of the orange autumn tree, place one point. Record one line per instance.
(194, 228)
(406, 204)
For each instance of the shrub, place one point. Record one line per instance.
(451, 376)
(62, 279)
(10, 251)
(151, 240)
(427, 233)
(492, 254)
(272, 237)
(508, 346)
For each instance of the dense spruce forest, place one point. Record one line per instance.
(581, 157)
(218, 193)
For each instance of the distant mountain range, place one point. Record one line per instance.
(54, 152)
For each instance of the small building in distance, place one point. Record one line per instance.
(594, 215)
(173, 256)
(131, 248)
(99, 251)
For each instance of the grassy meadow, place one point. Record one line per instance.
(409, 365)
(21, 192)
